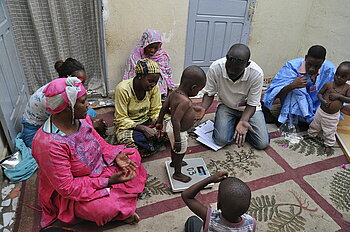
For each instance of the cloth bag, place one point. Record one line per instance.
(26, 165)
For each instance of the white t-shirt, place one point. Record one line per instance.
(235, 95)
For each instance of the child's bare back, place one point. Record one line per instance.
(178, 101)
(334, 106)
(182, 112)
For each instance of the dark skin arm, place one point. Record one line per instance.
(299, 82)
(180, 111)
(149, 132)
(340, 97)
(188, 196)
(164, 110)
(121, 177)
(206, 103)
(320, 95)
(243, 125)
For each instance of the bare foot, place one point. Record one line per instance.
(328, 151)
(183, 163)
(182, 177)
(133, 219)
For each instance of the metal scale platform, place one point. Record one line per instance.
(195, 168)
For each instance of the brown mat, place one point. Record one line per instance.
(295, 188)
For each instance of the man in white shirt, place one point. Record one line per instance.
(238, 83)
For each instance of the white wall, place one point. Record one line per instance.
(276, 32)
(328, 24)
(283, 30)
(280, 31)
(127, 20)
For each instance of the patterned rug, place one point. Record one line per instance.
(294, 187)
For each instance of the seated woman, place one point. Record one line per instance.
(137, 105)
(35, 113)
(150, 46)
(82, 176)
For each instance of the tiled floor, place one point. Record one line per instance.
(9, 199)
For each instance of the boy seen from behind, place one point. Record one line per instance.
(233, 201)
(332, 96)
(183, 115)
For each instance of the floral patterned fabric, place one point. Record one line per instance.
(161, 57)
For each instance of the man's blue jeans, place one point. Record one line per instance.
(226, 120)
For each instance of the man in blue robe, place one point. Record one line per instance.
(297, 85)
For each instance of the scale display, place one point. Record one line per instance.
(195, 168)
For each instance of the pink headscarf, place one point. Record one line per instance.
(61, 92)
(161, 57)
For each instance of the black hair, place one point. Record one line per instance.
(68, 67)
(234, 197)
(240, 48)
(345, 63)
(317, 52)
(193, 75)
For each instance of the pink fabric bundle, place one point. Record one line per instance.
(62, 91)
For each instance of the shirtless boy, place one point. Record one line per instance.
(183, 114)
(332, 96)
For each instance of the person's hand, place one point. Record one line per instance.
(100, 126)
(124, 162)
(149, 132)
(177, 146)
(121, 177)
(299, 82)
(219, 176)
(325, 103)
(159, 127)
(241, 132)
(199, 112)
(334, 96)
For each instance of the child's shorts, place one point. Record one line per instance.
(183, 136)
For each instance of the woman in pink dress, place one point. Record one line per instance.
(80, 175)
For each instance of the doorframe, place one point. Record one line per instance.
(100, 7)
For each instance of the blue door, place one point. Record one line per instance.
(13, 88)
(213, 26)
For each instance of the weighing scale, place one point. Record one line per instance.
(195, 168)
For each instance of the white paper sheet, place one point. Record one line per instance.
(205, 134)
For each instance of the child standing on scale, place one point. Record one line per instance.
(332, 96)
(233, 202)
(183, 115)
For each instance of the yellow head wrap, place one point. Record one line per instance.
(146, 66)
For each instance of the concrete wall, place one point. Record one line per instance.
(276, 32)
(280, 31)
(125, 22)
(283, 30)
(329, 27)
